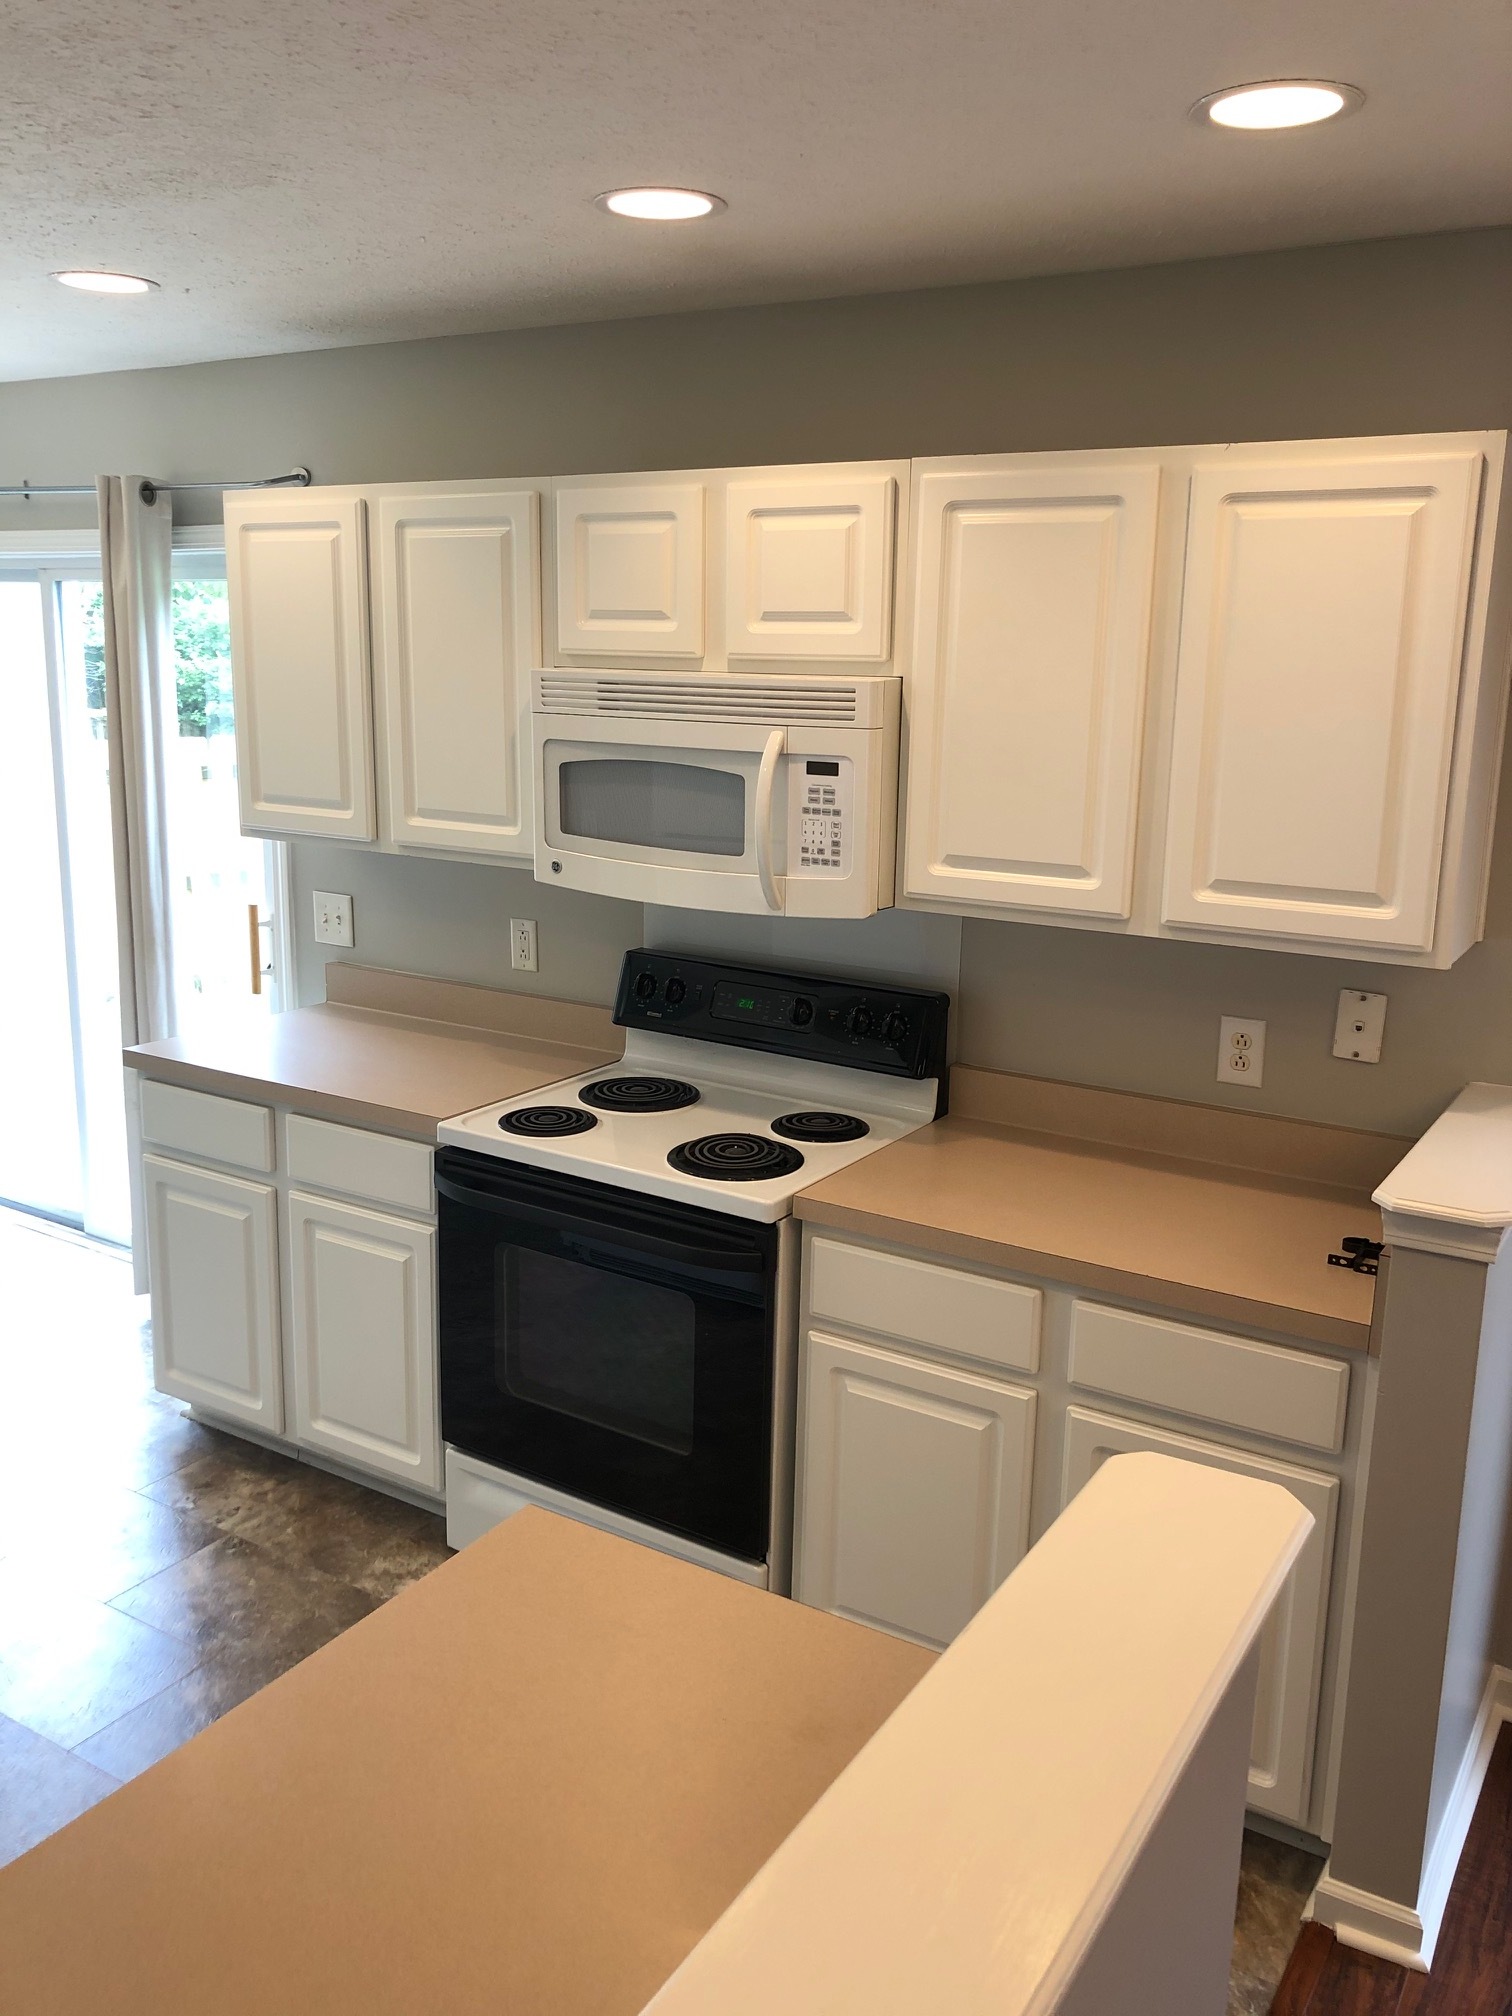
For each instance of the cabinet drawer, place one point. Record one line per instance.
(207, 1126)
(896, 1296)
(1260, 1387)
(350, 1159)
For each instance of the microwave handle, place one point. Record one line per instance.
(766, 784)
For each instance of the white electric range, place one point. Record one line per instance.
(619, 1263)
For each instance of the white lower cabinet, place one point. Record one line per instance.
(320, 1328)
(362, 1299)
(1291, 1647)
(915, 1488)
(213, 1252)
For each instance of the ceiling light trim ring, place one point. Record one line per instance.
(709, 205)
(1350, 97)
(104, 280)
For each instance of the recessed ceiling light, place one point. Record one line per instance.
(106, 283)
(1287, 101)
(660, 206)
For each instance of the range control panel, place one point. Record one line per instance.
(861, 1023)
(820, 794)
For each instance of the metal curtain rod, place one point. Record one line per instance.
(296, 479)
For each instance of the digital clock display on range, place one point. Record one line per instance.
(768, 1007)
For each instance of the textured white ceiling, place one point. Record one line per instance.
(304, 173)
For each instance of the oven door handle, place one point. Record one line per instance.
(624, 1238)
(766, 787)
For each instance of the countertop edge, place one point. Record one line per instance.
(1190, 1298)
(277, 1092)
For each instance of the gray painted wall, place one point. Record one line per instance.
(1387, 337)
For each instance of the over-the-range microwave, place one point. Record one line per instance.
(768, 795)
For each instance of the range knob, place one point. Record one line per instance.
(860, 1021)
(645, 986)
(895, 1030)
(676, 991)
(803, 1012)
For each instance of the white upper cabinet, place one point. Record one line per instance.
(456, 613)
(418, 738)
(1031, 650)
(296, 574)
(1318, 681)
(808, 568)
(630, 569)
(709, 568)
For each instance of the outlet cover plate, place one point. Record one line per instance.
(522, 944)
(1241, 1051)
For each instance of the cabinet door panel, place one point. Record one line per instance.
(808, 568)
(363, 1298)
(1031, 649)
(1291, 1646)
(1318, 677)
(214, 1268)
(630, 569)
(296, 575)
(915, 1495)
(459, 625)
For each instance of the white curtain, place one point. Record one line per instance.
(136, 552)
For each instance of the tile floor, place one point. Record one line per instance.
(154, 1572)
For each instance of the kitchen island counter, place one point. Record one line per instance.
(527, 1786)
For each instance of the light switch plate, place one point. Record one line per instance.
(1360, 1027)
(1241, 1050)
(333, 918)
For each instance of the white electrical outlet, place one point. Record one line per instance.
(1241, 1051)
(1360, 1027)
(522, 944)
(333, 918)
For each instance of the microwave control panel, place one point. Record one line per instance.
(820, 805)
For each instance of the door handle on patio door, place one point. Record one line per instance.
(254, 933)
(766, 784)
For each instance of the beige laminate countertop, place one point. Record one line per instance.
(1227, 1243)
(357, 1060)
(527, 1786)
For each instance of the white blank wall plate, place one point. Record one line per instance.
(1241, 1051)
(1360, 1027)
(333, 918)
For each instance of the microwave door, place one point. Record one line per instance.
(631, 816)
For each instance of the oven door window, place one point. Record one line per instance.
(647, 802)
(617, 1353)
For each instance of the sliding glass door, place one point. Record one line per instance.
(63, 1141)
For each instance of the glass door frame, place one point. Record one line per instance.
(50, 558)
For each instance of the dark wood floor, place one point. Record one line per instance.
(1472, 1969)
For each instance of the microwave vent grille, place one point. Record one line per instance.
(658, 696)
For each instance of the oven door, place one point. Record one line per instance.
(680, 812)
(612, 1345)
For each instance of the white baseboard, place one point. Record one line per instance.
(1404, 1933)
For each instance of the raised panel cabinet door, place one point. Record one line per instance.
(213, 1257)
(809, 568)
(364, 1345)
(459, 629)
(630, 569)
(1318, 676)
(1291, 1646)
(1030, 665)
(296, 573)
(915, 1492)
